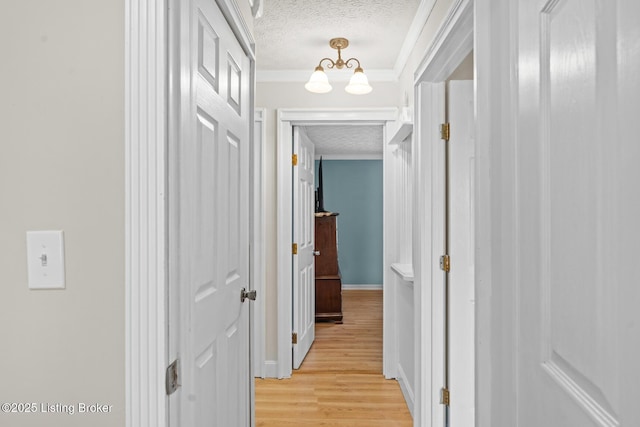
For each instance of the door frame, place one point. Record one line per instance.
(151, 51)
(497, 87)
(453, 42)
(258, 240)
(286, 119)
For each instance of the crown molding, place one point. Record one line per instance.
(280, 76)
(415, 29)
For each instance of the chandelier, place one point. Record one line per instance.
(319, 82)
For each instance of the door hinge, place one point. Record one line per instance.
(444, 396)
(172, 377)
(294, 160)
(294, 248)
(444, 131)
(294, 337)
(445, 263)
(251, 295)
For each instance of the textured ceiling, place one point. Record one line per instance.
(346, 140)
(294, 34)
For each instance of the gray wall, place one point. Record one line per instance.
(62, 167)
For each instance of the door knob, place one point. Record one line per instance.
(244, 294)
(316, 253)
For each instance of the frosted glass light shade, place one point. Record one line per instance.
(359, 84)
(318, 82)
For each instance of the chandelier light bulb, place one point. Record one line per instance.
(359, 83)
(318, 82)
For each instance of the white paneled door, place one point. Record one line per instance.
(303, 236)
(209, 208)
(577, 297)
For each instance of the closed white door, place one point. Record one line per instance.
(461, 249)
(303, 236)
(208, 199)
(577, 246)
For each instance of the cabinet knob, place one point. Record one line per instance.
(316, 253)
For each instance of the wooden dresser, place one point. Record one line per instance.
(328, 281)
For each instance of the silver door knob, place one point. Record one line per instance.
(244, 294)
(316, 253)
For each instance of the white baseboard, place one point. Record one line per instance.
(270, 369)
(364, 287)
(405, 386)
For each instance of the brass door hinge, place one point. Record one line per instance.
(444, 396)
(294, 337)
(444, 131)
(294, 248)
(172, 377)
(445, 263)
(294, 160)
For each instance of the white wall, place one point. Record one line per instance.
(62, 167)
(464, 70)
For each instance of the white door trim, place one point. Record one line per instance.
(497, 87)
(146, 100)
(452, 43)
(148, 60)
(428, 245)
(258, 238)
(287, 118)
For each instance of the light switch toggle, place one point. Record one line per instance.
(45, 259)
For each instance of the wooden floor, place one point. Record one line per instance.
(340, 382)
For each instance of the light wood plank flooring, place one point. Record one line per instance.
(340, 382)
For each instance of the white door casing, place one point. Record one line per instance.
(577, 318)
(428, 245)
(461, 250)
(495, 75)
(304, 237)
(286, 120)
(210, 210)
(452, 43)
(258, 239)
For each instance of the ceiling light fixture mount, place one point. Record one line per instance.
(319, 82)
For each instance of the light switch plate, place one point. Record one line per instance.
(45, 259)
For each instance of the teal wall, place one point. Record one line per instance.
(353, 188)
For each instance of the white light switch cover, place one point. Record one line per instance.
(45, 259)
